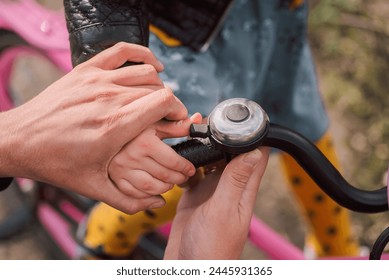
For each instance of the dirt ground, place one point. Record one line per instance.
(275, 205)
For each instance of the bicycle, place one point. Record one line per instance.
(52, 46)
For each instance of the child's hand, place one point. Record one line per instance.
(148, 167)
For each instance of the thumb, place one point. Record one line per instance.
(240, 180)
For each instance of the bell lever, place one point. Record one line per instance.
(199, 131)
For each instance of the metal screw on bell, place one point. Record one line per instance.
(237, 125)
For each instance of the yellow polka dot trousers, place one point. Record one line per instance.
(115, 234)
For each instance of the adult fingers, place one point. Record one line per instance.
(130, 120)
(115, 56)
(241, 179)
(126, 95)
(173, 129)
(176, 114)
(120, 96)
(144, 74)
(250, 192)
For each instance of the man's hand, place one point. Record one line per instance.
(69, 133)
(213, 218)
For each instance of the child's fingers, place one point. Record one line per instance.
(146, 183)
(114, 197)
(166, 156)
(128, 189)
(161, 172)
(124, 176)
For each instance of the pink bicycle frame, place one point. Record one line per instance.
(42, 28)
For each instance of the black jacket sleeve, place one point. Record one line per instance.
(95, 25)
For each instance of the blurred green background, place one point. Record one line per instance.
(350, 42)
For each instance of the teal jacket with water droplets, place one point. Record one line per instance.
(255, 49)
(260, 52)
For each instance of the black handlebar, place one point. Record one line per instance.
(201, 152)
(326, 176)
(309, 157)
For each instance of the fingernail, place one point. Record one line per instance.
(253, 157)
(196, 118)
(191, 172)
(157, 204)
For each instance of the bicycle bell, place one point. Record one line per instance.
(236, 126)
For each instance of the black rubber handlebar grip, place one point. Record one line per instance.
(198, 152)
